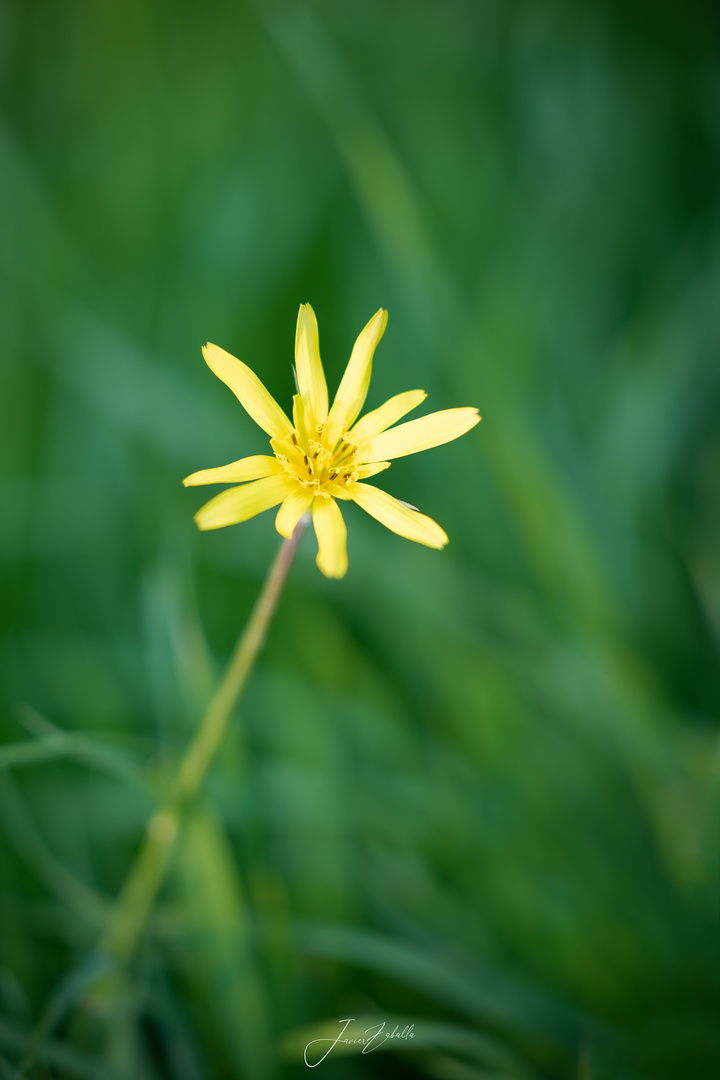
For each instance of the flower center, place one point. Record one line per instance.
(314, 465)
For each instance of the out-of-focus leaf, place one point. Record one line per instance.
(217, 956)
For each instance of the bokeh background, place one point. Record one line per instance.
(476, 790)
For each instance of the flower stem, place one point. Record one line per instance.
(147, 873)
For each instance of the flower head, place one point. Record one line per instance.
(324, 454)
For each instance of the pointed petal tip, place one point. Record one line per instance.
(205, 526)
(330, 574)
(242, 502)
(254, 397)
(332, 569)
(192, 480)
(381, 316)
(397, 517)
(201, 519)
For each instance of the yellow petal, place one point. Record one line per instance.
(247, 388)
(292, 510)
(308, 366)
(393, 410)
(249, 468)
(398, 518)
(364, 471)
(417, 435)
(337, 491)
(301, 421)
(240, 503)
(353, 388)
(331, 537)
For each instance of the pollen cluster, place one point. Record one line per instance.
(324, 470)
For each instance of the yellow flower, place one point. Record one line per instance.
(324, 456)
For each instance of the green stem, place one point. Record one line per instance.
(145, 878)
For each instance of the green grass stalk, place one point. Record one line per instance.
(135, 901)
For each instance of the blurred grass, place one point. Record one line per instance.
(479, 788)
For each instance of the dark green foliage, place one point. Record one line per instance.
(475, 791)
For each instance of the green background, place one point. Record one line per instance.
(474, 790)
